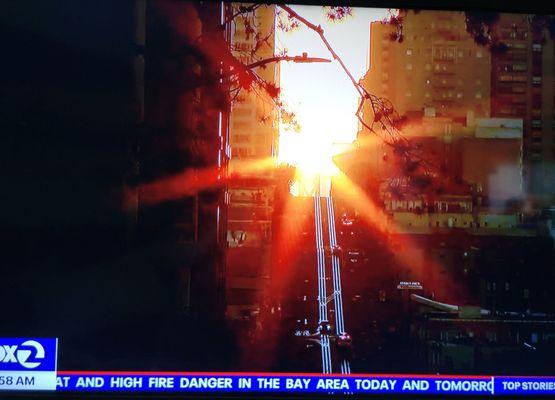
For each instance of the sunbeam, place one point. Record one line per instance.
(407, 253)
(195, 180)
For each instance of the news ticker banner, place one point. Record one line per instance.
(31, 364)
(303, 383)
(28, 364)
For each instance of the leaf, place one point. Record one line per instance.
(272, 90)
(337, 13)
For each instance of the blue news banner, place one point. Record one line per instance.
(28, 363)
(31, 364)
(303, 383)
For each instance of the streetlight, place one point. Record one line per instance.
(304, 58)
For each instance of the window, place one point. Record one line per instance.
(478, 95)
(479, 54)
(243, 46)
(241, 138)
(244, 59)
(536, 80)
(409, 52)
(536, 47)
(444, 53)
(260, 151)
(241, 124)
(409, 66)
(241, 112)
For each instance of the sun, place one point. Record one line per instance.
(313, 158)
(312, 155)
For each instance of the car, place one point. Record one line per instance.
(324, 327)
(344, 340)
(336, 251)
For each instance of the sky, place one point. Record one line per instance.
(321, 94)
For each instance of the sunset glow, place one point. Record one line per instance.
(309, 153)
(321, 95)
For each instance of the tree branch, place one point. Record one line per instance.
(384, 112)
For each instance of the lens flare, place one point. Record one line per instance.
(407, 253)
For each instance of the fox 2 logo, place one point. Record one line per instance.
(22, 353)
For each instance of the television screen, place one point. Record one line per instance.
(252, 199)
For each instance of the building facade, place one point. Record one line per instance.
(436, 65)
(253, 141)
(522, 87)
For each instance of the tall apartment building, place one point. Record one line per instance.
(189, 231)
(522, 87)
(436, 65)
(253, 136)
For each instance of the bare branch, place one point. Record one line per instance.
(384, 114)
(242, 10)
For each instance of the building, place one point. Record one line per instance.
(468, 339)
(522, 87)
(492, 160)
(436, 65)
(483, 166)
(253, 138)
(116, 111)
(184, 131)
